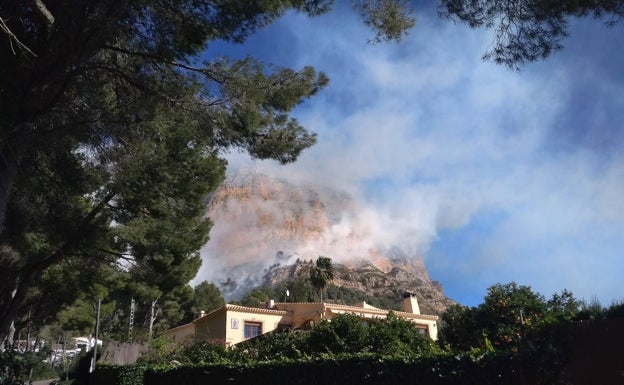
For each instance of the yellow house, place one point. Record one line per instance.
(232, 324)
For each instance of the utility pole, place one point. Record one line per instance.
(97, 335)
(131, 325)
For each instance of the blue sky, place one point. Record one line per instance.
(490, 175)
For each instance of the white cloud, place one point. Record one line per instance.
(430, 137)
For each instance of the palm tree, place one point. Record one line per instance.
(321, 274)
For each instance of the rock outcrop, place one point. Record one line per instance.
(263, 226)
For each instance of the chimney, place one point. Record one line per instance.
(271, 304)
(410, 303)
(202, 313)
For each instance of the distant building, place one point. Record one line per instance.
(232, 324)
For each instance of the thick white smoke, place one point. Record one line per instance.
(261, 220)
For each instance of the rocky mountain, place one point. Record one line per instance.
(378, 287)
(264, 230)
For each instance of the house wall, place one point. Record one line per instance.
(227, 325)
(212, 327)
(235, 324)
(181, 333)
(302, 315)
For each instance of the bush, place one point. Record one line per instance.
(119, 375)
(17, 367)
(274, 346)
(202, 353)
(443, 369)
(345, 333)
(43, 371)
(397, 336)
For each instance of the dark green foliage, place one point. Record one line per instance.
(547, 350)
(14, 366)
(119, 375)
(550, 340)
(112, 136)
(397, 336)
(202, 353)
(615, 310)
(563, 306)
(17, 367)
(508, 312)
(349, 350)
(321, 274)
(593, 309)
(350, 334)
(257, 296)
(206, 297)
(590, 310)
(459, 328)
(344, 334)
(274, 347)
(107, 123)
(80, 372)
(391, 19)
(443, 369)
(299, 290)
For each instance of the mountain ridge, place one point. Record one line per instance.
(375, 284)
(263, 224)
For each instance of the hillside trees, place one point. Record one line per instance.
(527, 30)
(112, 130)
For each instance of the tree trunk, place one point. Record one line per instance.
(10, 159)
(23, 279)
(8, 313)
(153, 315)
(11, 333)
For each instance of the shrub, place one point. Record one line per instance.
(202, 353)
(274, 346)
(119, 375)
(16, 367)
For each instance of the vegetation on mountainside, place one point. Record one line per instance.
(352, 284)
(301, 290)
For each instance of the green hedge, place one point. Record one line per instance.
(119, 375)
(446, 369)
(442, 370)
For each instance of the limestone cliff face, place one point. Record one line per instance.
(263, 225)
(405, 275)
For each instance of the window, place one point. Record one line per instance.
(253, 329)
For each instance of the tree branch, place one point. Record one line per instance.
(31, 272)
(13, 38)
(204, 71)
(44, 13)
